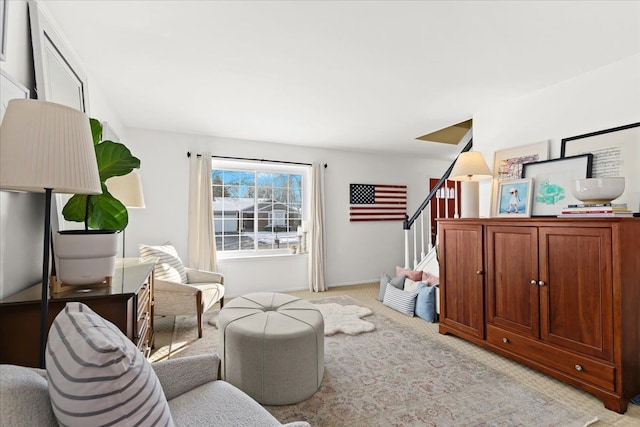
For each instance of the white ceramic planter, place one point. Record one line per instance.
(85, 259)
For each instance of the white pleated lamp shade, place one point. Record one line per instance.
(47, 145)
(128, 189)
(470, 166)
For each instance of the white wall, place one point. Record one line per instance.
(601, 99)
(356, 252)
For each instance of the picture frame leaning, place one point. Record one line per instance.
(514, 198)
(10, 88)
(615, 153)
(552, 180)
(507, 164)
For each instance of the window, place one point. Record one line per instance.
(257, 207)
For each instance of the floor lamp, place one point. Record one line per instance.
(128, 189)
(47, 148)
(470, 168)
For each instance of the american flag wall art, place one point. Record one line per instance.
(377, 202)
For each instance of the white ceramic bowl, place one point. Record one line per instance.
(597, 190)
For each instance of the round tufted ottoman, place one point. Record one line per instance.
(271, 347)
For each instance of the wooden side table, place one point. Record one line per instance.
(128, 304)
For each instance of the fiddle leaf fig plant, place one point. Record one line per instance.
(103, 211)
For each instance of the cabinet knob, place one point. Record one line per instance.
(540, 283)
(578, 368)
(534, 282)
(505, 340)
(478, 272)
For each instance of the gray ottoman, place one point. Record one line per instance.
(272, 347)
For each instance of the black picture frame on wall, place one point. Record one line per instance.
(615, 153)
(552, 180)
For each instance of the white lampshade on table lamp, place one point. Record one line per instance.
(47, 148)
(128, 189)
(470, 168)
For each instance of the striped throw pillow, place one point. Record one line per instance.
(402, 301)
(97, 376)
(169, 266)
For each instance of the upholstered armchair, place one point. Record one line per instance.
(179, 290)
(201, 292)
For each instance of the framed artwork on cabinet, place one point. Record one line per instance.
(552, 181)
(507, 164)
(514, 198)
(615, 153)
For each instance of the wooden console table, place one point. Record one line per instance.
(127, 303)
(560, 295)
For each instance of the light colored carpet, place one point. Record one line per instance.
(179, 338)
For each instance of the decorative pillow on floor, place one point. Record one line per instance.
(397, 282)
(99, 377)
(410, 285)
(430, 279)
(415, 275)
(426, 302)
(169, 266)
(402, 301)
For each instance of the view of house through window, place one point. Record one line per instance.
(256, 208)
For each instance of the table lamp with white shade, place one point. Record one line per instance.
(128, 190)
(47, 148)
(470, 168)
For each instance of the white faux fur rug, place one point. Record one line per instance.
(338, 318)
(345, 319)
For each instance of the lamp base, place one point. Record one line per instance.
(469, 199)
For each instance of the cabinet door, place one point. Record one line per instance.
(512, 264)
(461, 279)
(576, 301)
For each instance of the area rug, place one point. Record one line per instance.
(393, 376)
(338, 318)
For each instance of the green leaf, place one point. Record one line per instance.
(114, 159)
(75, 208)
(107, 213)
(96, 131)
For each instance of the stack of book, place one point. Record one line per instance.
(595, 210)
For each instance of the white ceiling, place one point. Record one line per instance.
(357, 75)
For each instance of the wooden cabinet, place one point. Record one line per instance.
(562, 296)
(461, 268)
(127, 303)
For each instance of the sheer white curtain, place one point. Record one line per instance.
(201, 237)
(316, 228)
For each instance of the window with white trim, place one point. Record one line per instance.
(257, 207)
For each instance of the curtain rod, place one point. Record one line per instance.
(255, 160)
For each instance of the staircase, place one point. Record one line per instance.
(424, 256)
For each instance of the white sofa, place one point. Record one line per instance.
(195, 396)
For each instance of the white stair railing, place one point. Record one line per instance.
(440, 191)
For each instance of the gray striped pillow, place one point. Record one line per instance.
(98, 377)
(402, 301)
(169, 266)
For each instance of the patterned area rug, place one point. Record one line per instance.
(395, 377)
